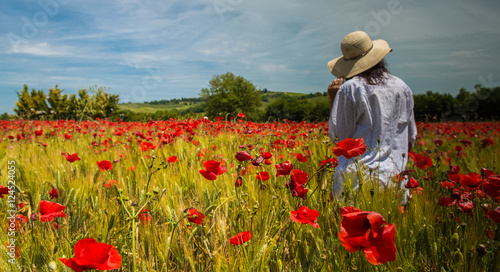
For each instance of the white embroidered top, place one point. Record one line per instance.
(377, 113)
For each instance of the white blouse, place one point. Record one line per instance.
(377, 113)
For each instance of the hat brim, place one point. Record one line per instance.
(340, 67)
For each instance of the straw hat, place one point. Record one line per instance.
(359, 53)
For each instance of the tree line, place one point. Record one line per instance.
(228, 94)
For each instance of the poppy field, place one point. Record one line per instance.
(235, 195)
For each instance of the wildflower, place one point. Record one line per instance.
(72, 158)
(104, 165)
(90, 254)
(50, 211)
(212, 170)
(305, 215)
(350, 148)
(240, 238)
(243, 156)
(194, 216)
(363, 230)
(263, 176)
(54, 193)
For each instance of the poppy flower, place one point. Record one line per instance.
(54, 193)
(350, 148)
(495, 214)
(299, 176)
(109, 182)
(50, 211)
(194, 216)
(257, 161)
(238, 182)
(243, 156)
(240, 238)
(67, 136)
(172, 159)
(300, 157)
(472, 180)
(89, 254)
(212, 170)
(305, 215)
(438, 142)
(328, 162)
(364, 230)
(486, 142)
(263, 176)
(72, 158)
(241, 115)
(3, 191)
(145, 146)
(421, 161)
(144, 216)
(283, 168)
(38, 132)
(412, 183)
(466, 206)
(104, 165)
(266, 155)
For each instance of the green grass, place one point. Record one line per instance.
(426, 234)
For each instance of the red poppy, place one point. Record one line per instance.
(363, 230)
(412, 183)
(495, 214)
(305, 215)
(472, 179)
(486, 142)
(3, 191)
(38, 132)
(67, 136)
(266, 155)
(300, 157)
(172, 159)
(50, 211)
(299, 176)
(212, 170)
(71, 158)
(421, 161)
(350, 148)
(263, 176)
(144, 216)
(238, 182)
(54, 193)
(438, 142)
(240, 238)
(145, 146)
(241, 115)
(328, 162)
(90, 254)
(243, 156)
(283, 168)
(194, 216)
(104, 165)
(109, 182)
(466, 206)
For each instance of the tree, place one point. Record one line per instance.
(230, 94)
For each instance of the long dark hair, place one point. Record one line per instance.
(376, 75)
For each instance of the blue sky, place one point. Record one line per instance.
(152, 50)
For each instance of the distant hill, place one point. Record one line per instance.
(186, 103)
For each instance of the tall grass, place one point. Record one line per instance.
(428, 237)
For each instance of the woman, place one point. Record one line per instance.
(372, 104)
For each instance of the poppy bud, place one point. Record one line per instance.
(156, 191)
(481, 250)
(455, 238)
(372, 192)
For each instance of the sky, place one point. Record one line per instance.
(147, 50)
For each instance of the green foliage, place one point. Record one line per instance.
(230, 94)
(297, 109)
(93, 102)
(465, 106)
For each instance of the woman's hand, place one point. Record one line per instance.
(333, 88)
